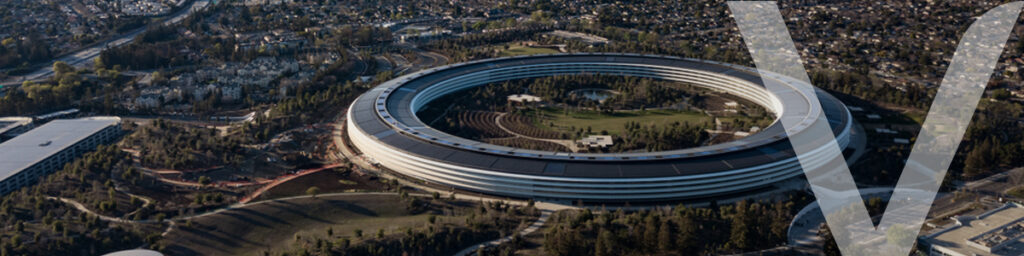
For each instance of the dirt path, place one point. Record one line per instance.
(567, 143)
(282, 180)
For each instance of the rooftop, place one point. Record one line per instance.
(38, 144)
(8, 123)
(598, 141)
(971, 234)
(523, 98)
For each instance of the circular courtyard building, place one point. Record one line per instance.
(383, 125)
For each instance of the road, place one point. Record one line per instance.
(993, 187)
(424, 60)
(86, 56)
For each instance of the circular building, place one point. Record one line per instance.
(383, 125)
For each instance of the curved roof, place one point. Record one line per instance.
(387, 112)
(135, 252)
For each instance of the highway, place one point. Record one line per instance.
(85, 57)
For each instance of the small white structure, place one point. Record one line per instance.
(523, 98)
(885, 131)
(597, 141)
(732, 104)
(135, 252)
(13, 125)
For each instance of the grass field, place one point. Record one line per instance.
(271, 226)
(615, 123)
(515, 50)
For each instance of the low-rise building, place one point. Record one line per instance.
(523, 98)
(9, 126)
(597, 141)
(43, 150)
(997, 232)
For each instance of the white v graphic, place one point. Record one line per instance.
(773, 51)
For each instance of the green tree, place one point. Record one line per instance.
(686, 238)
(665, 241)
(60, 68)
(739, 235)
(979, 161)
(605, 244)
(313, 191)
(203, 180)
(898, 234)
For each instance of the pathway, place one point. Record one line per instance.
(544, 215)
(567, 143)
(284, 179)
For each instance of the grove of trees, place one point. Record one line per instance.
(742, 227)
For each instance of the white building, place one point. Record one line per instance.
(997, 232)
(597, 141)
(45, 149)
(12, 125)
(523, 98)
(231, 93)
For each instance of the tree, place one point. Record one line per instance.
(203, 180)
(739, 235)
(979, 160)
(605, 244)
(60, 68)
(313, 191)
(687, 234)
(665, 241)
(831, 247)
(650, 234)
(1001, 94)
(899, 235)
(98, 65)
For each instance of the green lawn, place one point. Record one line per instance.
(524, 50)
(615, 123)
